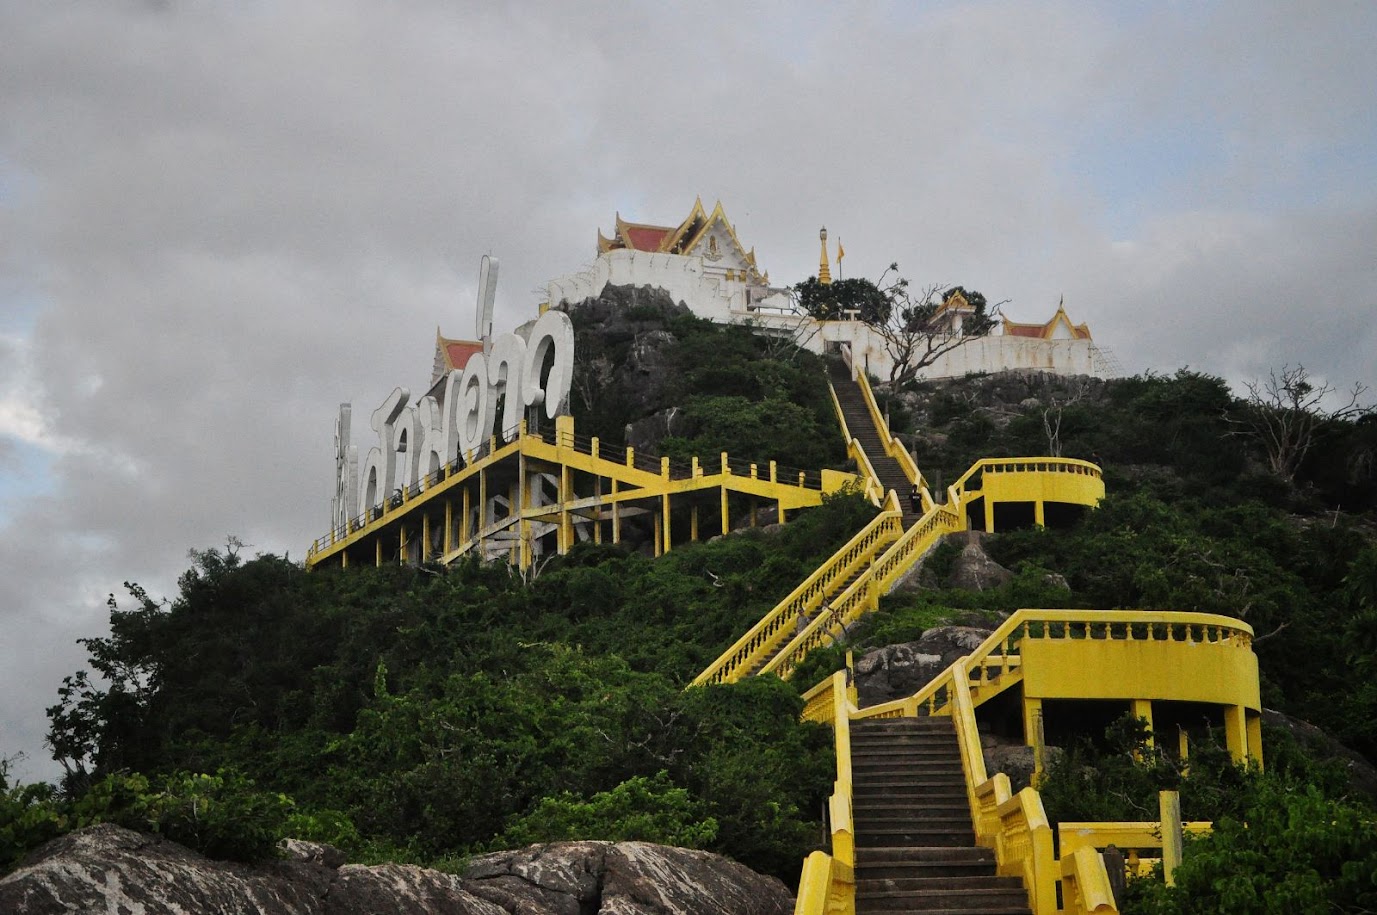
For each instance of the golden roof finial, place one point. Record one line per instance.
(824, 272)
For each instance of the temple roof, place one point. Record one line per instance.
(1050, 330)
(683, 239)
(451, 354)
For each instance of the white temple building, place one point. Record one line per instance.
(703, 264)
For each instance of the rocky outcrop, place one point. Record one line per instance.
(1362, 776)
(110, 869)
(974, 570)
(1016, 760)
(901, 670)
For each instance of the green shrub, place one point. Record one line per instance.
(640, 809)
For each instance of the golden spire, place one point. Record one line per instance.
(824, 273)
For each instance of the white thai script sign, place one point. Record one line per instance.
(532, 367)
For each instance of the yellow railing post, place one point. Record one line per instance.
(1169, 803)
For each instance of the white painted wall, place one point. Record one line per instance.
(707, 292)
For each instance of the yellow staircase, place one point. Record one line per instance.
(852, 581)
(1138, 657)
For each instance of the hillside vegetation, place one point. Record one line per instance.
(424, 714)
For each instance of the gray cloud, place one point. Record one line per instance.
(219, 221)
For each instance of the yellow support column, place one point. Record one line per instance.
(616, 515)
(755, 511)
(1032, 721)
(726, 518)
(344, 559)
(377, 551)
(425, 536)
(1236, 732)
(401, 544)
(449, 526)
(1254, 727)
(1142, 708)
(1039, 513)
(658, 536)
(665, 516)
(566, 529)
(466, 511)
(989, 515)
(693, 521)
(482, 502)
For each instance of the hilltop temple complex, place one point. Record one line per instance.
(703, 264)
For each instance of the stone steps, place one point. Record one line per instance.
(915, 845)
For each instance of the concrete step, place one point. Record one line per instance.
(889, 863)
(915, 754)
(891, 884)
(917, 834)
(983, 899)
(916, 785)
(953, 817)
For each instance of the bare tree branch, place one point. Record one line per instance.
(1286, 412)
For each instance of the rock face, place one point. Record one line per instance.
(901, 670)
(1362, 776)
(974, 570)
(110, 869)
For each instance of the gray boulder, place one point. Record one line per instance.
(901, 670)
(974, 570)
(110, 869)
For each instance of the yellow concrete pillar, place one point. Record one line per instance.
(449, 526)
(425, 536)
(754, 509)
(1032, 720)
(401, 544)
(377, 551)
(1236, 732)
(1039, 513)
(482, 502)
(664, 514)
(693, 522)
(989, 514)
(566, 529)
(464, 523)
(1169, 807)
(655, 516)
(564, 431)
(779, 504)
(344, 559)
(1142, 708)
(1254, 727)
(616, 514)
(726, 518)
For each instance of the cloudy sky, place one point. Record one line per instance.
(219, 220)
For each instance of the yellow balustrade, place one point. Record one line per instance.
(1085, 886)
(1070, 654)
(562, 454)
(778, 626)
(893, 447)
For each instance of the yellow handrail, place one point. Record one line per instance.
(1015, 825)
(893, 447)
(772, 630)
(841, 417)
(864, 594)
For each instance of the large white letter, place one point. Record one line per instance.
(345, 504)
(382, 460)
(505, 363)
(551, 331)
(471, 406)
